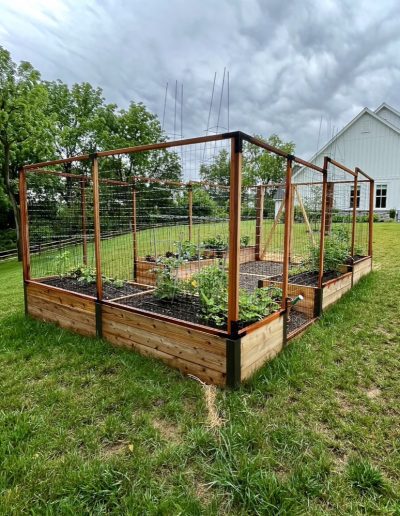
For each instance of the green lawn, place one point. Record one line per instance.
(117, 252)
(86, 428)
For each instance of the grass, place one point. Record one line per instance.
(117, 253)
(85, 428)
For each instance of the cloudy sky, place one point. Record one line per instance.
(290, 62)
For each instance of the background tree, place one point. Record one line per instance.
(259, 166)
(77, 118)
(25, 130)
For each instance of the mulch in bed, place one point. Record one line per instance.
(252, 272)
(185, 308)
(263, 268)
(356, 258)
(109, 291)
(308, 279)
(297, 320)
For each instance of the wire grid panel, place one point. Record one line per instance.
(60, 223)
(339, 216)
(361, 241)
(305, 227)
(164, 238)
(262, 229)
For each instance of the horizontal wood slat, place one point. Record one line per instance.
(361, 268)
(188, 350)
(260, 346)
(72, 313)
(334, 291)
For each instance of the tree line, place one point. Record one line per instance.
(45, 120)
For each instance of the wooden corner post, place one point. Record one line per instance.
(323, 222)
(24, 236)
(134, 229)
(234, 232)
(97, 242)
(287, 230)
(371, 216)
(259, 220)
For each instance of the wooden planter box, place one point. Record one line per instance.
(361, 268)
(316, 299)
(147, 275)
(207, 353)
(69, 310)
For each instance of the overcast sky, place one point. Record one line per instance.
(290, 62)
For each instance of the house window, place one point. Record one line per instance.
(381, 196)
(352, 197)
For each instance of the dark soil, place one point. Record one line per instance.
(252, 272)
(185, 308)
(262, 268)
(309, 279)
(297, 320)
(109, 291)
(354, 259)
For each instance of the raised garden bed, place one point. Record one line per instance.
(314, 299)
(109, 290)
(146, 271)
(192, 348)
(361, 267)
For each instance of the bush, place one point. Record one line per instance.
(211, 284)
(8, 239)
(336, 252)
(392, 213)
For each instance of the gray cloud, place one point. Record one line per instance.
(290, 63)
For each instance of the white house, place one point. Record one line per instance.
(370, 141)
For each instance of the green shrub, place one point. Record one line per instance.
(336, 251)
(244, 241)
(8, 239)
(168, 286)
(392, 213)
(211, 285)
(187, 250)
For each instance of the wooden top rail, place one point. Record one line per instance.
(55, 173)
(166, 145)
(342, 167)
(34, 166)
(369, 178)
(280, 152)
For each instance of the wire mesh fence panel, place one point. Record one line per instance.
(362, 226)
(60, 224)
(170, 255)
(262, 233)
(343, 197)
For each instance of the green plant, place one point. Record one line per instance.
(336, 251)
(244, 241)
(216, 243)
(187, 250)
(83, 274)
(256, 305)
(392, 213)
(364, 477)
(211, 285)
(168, 286)
(62, 263)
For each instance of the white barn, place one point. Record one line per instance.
(370, 141)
